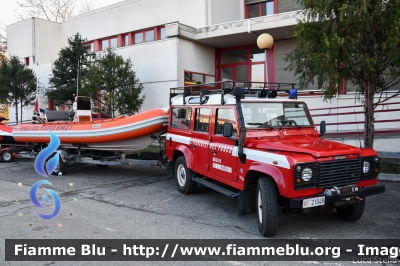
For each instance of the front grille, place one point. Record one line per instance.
(339, 173)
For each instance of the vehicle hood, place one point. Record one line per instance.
(314, 146)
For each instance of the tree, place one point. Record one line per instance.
(53, 10)
(357, 41)
(113, 85)
(64, 78)
(3, 48)
(17, 84)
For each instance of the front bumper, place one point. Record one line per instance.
(340, 199)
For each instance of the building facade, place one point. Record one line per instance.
(173, 43)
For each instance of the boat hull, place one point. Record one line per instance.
(118, 134)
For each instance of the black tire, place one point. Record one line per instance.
(6, 156)
(183, 177)
(352, 212)
(61, 167)
(102, 165)
(267, 206)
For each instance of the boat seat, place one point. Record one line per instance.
(57, 116)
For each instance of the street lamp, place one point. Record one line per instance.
(265, 42)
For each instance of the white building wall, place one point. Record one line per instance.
(220, 11)
(195, 57)
(133, 15)
(156, 66)
(20, 38)
(47, 39)
(34, 38)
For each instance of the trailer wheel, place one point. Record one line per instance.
(267, 206)
(183, 177)
(352, 212)
(61, 167)
(6, 156)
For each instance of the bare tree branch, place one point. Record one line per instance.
(53, 10)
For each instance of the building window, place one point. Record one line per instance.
(192, 78)
(162, 33)
(138, 38)
(256, 8)
(113, 43)
(109, 43)
(149, 35)
(241, 64)
(26, 61)
(90, 47)
(104, 45)
(126, 40)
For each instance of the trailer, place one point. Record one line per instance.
(68, 156)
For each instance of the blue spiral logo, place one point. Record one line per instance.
(46, 153)
(35, 200)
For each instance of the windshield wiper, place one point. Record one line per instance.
(261, 125)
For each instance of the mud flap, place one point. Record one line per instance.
(246, 202)
(170, 169)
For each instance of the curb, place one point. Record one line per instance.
(389, 177)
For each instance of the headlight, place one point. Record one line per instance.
(306, 174)
(366, 166)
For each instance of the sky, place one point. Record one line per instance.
(8, 10)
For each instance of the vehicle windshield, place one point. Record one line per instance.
(275, 114)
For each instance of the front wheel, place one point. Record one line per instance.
(267, 206)
(352, 212)
(6, 156)
(61, 167)
(183, 177)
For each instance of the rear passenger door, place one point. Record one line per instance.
(200, 140)
(222, 162)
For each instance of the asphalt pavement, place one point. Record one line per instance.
(128, 202)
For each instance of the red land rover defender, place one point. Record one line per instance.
(242, 141)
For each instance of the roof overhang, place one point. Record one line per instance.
(236, 33)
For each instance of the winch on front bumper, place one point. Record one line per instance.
(337, 196)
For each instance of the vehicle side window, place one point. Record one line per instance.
(181, 118)
(202, 121)
(225, 116)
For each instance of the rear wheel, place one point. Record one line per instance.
(267, 206)
(183, 177)
(6, 156)
(352, 212)
(61, 167)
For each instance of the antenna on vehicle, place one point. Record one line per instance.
(357, 129)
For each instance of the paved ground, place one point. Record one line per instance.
(140, 203)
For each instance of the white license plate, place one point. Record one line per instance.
(312, 202)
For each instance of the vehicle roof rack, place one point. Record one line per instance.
(249, 88)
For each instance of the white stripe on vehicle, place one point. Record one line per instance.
(254, 155)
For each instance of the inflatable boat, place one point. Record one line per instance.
(77, 129)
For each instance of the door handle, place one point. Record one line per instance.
(193, 146)
(213, 151)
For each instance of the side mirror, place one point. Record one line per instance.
(227, 130)
(322, 128)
